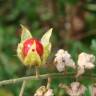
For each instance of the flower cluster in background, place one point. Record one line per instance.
(74, 89)
(63, 59)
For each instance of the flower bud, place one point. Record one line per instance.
(27, 45)
(32, 51)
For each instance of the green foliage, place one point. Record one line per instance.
(39, 17)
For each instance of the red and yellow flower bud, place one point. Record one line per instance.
(32, 51)
(27, 45)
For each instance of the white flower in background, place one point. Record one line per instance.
(40, 91)
(63, 59)
(76, 89)
(93, 91)
(49, 93)
(85, 61)
(43, 91)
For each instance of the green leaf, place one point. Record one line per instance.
(25, 33)
(93, 44)
(46, 37)
(91, 7)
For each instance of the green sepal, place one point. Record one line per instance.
(46, 37)
(25, 33)
(47, 51)
(45, 40)
(19, 51)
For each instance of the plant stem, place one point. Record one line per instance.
(48, 82)
(24, 83)
(37, 72)
(22, 88)
(44, 76)
(17, 80)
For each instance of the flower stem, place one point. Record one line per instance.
(37, 72)
(22, 88)
(44, 76)
(24, 83)
(49, 82)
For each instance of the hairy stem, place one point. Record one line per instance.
(17, 80)
(44, 76)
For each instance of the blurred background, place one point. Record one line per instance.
(74, 29)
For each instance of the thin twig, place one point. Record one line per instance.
(44, 76)
(48, 82)
(17, 80)
(24, 83)
(37, 72)
(22, 88)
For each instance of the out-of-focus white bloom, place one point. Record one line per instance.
(76, 89)
(92, 90)
(62, 59)
(43, 91)
(40, 91)
(49, 93)
(85, 61)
